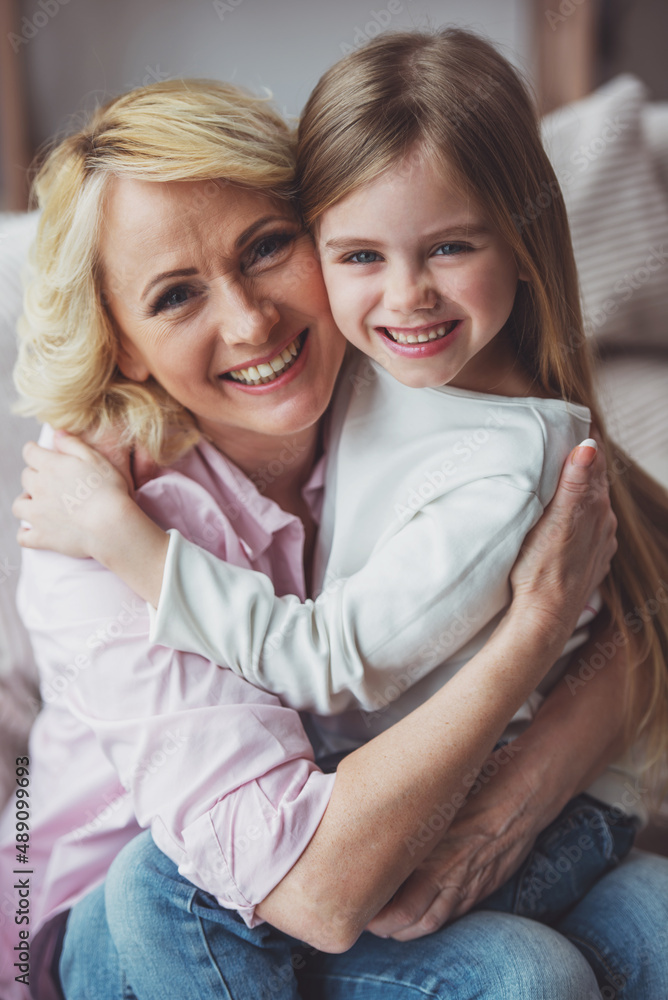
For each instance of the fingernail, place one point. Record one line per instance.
(585, 453)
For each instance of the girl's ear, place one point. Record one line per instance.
(523, 274)
(130, 361)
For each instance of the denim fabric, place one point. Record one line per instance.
(586, 840)
(151, 934)
(152, 929)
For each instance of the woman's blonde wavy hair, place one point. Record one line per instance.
(451, 98)
(180, 130)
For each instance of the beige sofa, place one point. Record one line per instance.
(611, 155)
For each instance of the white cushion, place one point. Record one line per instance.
(618, 210)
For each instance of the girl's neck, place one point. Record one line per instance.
(497, 370)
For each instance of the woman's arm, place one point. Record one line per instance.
(447, 733)
(577, 732)
(421, 769)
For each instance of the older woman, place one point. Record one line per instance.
(169, 255)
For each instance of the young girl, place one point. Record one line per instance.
(416, 154)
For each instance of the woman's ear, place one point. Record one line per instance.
(523, 274)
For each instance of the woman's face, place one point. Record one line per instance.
(215, 291)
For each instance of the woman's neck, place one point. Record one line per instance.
(278, 466)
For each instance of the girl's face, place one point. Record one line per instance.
(216, 292)
(419, 280)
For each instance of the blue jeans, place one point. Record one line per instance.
(587, 839)
(149, 934)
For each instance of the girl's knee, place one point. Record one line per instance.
(545, 965)
(507, 957)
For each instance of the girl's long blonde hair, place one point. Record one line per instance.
(452, 97)
(67, 372)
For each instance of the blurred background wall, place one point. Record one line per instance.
(61, 57)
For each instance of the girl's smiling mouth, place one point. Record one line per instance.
(419, 334)
(420, 341)
(272, 370)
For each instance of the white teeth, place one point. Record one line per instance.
(421, 338)
(267, 371)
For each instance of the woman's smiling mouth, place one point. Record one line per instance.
(264, 372)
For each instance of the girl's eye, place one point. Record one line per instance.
(451, 249)
(172, 298)
(363, 257)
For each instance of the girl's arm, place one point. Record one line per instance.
(420, 597)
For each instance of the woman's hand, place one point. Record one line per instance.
(69, 496)
(485, 844)
(568, 553)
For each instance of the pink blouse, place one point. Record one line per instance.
(134, 736)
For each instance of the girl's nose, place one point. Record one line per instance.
(245, 317)
(408, 290)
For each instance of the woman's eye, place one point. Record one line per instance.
(270, 246)
(451, 249)
(172, 298)
(363, 257)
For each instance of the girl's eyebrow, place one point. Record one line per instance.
(459, 231)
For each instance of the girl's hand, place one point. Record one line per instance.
(568, 553)
(72, 496)
(487, 841)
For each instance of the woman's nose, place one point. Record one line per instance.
(245, 317)
(409, 289)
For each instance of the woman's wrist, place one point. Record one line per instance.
(544, 628)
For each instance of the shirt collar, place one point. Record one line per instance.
(258, 518)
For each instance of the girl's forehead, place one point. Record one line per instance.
(417, 188)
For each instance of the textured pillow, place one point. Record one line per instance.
(618, 210)
(18, 695)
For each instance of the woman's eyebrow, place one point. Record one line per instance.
(250, 231)
(185, 272)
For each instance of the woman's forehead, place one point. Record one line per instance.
(143, 221)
